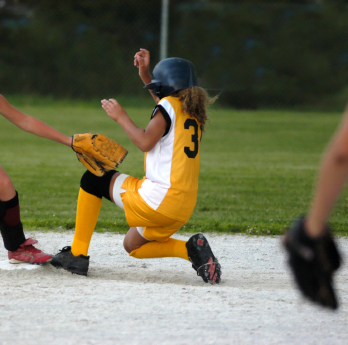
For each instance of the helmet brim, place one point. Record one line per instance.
(152, 84)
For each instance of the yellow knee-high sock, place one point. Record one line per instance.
(88, 208)
(170, 248)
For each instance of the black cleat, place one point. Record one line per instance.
(203, 259)
(74, 264)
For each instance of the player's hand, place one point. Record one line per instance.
(113, 109)
(142, 61)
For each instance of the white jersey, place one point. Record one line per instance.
(172, 166)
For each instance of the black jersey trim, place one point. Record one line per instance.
(165, 115)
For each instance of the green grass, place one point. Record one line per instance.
(258, 169)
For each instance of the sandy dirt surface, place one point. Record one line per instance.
(162, 301)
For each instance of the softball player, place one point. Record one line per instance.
(313, 254)
(19, 248)
(159, 204)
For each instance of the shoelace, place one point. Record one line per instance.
(208, 263)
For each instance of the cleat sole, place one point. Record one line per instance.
(206, 265)
(14, 261)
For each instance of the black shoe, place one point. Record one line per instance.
(74, 264)
(203, 259)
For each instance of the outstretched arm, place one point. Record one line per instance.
(30, 124)
(144, 139)
(142, 61)
(332, 177)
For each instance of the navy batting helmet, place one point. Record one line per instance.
(171, 75)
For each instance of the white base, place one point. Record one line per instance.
(6, 265)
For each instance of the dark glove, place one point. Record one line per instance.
(313, 262)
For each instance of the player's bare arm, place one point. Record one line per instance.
(332, 177)
(30, 124)
(313, 254)
(144, 139)
(142, 61)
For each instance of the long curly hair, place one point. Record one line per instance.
(194, 102)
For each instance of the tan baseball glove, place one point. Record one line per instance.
(97, 152)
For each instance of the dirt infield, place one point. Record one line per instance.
(162, 301)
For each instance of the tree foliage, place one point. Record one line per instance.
(258, 53)
(78, 48)
(267, 55)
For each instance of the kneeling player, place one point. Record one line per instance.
(158, 205)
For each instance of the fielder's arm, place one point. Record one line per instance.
(332, 177)
(30, 124)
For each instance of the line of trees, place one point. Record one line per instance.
(75, 48)
(264, 55)
(259, 53)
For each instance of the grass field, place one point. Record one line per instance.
(258, 168)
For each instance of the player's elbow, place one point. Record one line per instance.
(27, 123)
(145, 146)
(341, 157)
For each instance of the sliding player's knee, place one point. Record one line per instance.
(98, 186)
(129, 245)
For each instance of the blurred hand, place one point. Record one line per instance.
(142, 61)
(113, 109)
